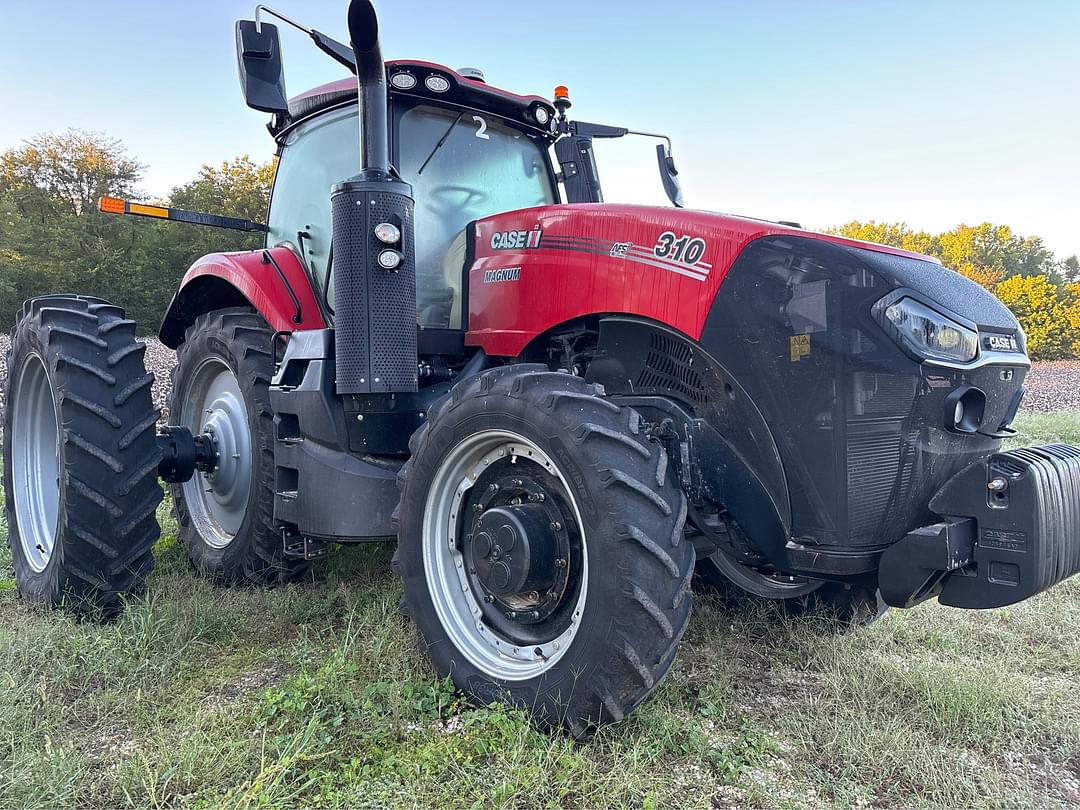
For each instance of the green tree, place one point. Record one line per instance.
(53, 238)
(236, 188)
(1069, 270)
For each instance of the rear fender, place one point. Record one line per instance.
(286, 299)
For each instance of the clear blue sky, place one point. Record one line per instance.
(933, 113)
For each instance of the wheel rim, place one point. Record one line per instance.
(767, 584)
(214, 405)
(35, 439)
(455, 590)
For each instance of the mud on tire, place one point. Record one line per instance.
(82, 529)
(237, 340)
(637, 589)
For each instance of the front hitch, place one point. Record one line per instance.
(1010, 530)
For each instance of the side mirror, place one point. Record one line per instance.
(262, 76)
(669, 175)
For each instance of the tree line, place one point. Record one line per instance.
(1042, 291)
(53, 238)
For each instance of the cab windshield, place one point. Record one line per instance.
(463, 165)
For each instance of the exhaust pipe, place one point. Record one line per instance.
(374, 262)
(371, 87)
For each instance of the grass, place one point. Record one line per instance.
(314, 695)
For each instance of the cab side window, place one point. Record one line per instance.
(316, 155)
(482, 167)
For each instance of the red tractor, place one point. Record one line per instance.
(556, 406)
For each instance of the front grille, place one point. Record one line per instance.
(873, 466)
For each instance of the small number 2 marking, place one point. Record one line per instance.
(481, 130)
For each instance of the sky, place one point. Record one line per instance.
(930, 113)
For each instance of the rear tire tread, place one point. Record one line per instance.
(94, 362)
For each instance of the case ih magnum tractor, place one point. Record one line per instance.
(555, 405)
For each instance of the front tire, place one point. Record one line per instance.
(221, 386)
(80, 456)
(541, 547)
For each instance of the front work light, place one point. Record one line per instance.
(930, 334)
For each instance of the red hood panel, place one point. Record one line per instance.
(540, 267)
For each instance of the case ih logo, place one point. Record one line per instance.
(509, 240)
(502, 274)
(1001, 343)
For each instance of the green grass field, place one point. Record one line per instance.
(314, 695)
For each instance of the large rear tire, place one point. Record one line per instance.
(221, 386)
(80, 456)
(541, 547)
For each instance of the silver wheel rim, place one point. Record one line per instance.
(769, 585)
(217, 500)
(444, 565)
(35, 462)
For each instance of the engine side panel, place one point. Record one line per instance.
(215, 280)
(539, 267)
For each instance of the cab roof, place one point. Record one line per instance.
(414, 78)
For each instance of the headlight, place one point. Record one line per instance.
(930, 334)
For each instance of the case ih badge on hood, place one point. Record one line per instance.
(802, 417)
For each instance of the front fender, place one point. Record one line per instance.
(245, 278)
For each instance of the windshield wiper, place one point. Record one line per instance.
(438, 146)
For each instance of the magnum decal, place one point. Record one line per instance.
(502, 274)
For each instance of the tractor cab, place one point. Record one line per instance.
(467, 150)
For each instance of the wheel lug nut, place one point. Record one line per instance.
(535, 614)
(556, 526)
(489, 598)
(493, 488)
(560, 563)
(512, 614)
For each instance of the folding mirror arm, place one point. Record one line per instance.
(579, 163)
(342, 54)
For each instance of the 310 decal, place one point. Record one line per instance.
(685, 249)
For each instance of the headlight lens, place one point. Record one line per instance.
(930, 333)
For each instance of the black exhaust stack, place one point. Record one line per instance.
(374, 265)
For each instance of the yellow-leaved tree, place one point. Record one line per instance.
(1044, 312)
(1072, 315)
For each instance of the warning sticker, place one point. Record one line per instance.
(800, 347)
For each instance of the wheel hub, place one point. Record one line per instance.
(513, 549)
(512, 607)
(218, 496)
(518, 545)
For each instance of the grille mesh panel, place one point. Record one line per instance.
(668, 367)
